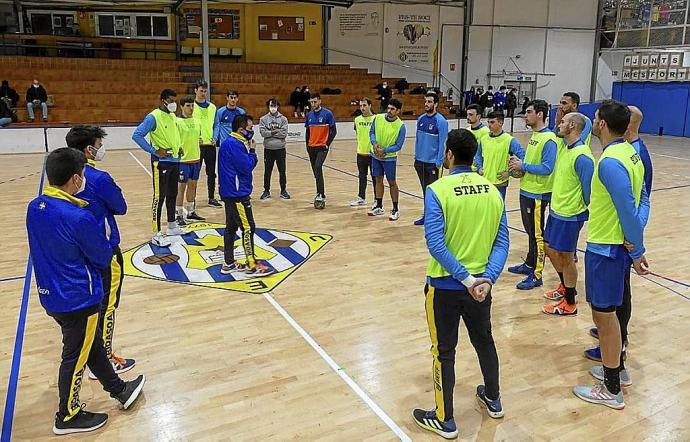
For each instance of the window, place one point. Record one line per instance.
(53, 22)
(133, 25)
(645, 23)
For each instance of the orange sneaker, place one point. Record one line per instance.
(555, 295)
(561, 308)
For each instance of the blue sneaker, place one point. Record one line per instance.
(522, 269)
(419, 222)
(285, 195)
(266, 195)
(593, 353)
(428, 420)
(530, 282)
(594, 332)
(493, 407)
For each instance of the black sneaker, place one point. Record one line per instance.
(214, 203)
(131, 392)
(195, 216)
(83, 422)
(429, 421)
(493, 407)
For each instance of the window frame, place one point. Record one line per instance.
(133, 24)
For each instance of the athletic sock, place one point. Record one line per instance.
(395, 206)
(190, 207)
(172, 225)
(179, 210)
(570, 293)
(612, 379)
(560, 275)
(379, 203)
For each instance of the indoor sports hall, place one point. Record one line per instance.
(326, 324)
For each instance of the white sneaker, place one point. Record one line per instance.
(176, 231)
(376, 211)
(598, 372)
(395, 214)
(358, 202)
(160, 240)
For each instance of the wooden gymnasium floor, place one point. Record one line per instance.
(230, 366)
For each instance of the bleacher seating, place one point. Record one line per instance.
(124, 91)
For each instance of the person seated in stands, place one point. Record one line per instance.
(401, 86)
(8, 95)
(385, 96)
(304, 100)
(296, 102)
(36, 95)
(5, 114)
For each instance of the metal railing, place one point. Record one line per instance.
(83, 47)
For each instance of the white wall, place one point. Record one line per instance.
(610, 68)
(32, 140)
(529, 28)
(369, 35)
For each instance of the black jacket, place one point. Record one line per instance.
(36, 93)
(6, 91)
(5, 111)
(511, 101)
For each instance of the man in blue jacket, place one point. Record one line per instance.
(430, 144)
(69, 251)
(105, 202)
(236, 162)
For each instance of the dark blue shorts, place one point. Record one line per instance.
(561, 235)
(605, 277)
(381, 168)
(189, 171)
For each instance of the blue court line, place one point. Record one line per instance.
(13, 278)
(522, 231)
(13, 381)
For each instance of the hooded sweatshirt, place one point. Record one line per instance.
(269, 123)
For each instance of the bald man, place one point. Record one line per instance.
(569, 201)
(624, 311)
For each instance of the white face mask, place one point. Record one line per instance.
(273, 110)
(35, 85)
(83, 184)
(172, 107)
(100, 154)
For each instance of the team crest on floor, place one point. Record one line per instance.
(196, 257)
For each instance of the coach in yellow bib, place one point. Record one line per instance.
(466, 259)
(165, 149)
(535, 190)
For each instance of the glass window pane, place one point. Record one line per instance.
(106, 25)
(610, 15)
(160, 26)
(144, 26)
(668, 18)
(664, 37)
(635, 14)
(631, 39)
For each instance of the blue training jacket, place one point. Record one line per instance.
(105, 201)
(222, 126)
(68, 250)
(430, 140)
(235, 166)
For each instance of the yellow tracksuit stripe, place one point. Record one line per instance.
(109, 317)
(538, 221)
(246, 236)
(73, 404)
(156, 196)
(436, 367)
